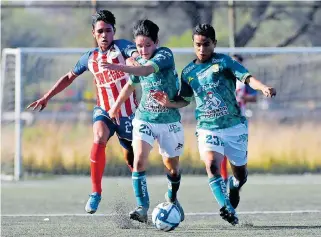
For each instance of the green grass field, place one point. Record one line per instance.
(286, 205)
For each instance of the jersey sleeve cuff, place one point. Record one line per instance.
(131, 51)
(245, 76)
(73, 73)
(154, 65)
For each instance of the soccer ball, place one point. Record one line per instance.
(166, 216)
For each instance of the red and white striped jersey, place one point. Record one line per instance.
(240, 92)
(109, 83)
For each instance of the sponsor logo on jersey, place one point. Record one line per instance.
(215, 60)
(215, 68)
(165, 52)
(213, 106)
(151, 84)
(203, 74)
(160, 57)
(215, 113)
(208, 86)
(188, 69)
(211, 101)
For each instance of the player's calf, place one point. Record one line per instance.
(142, 197)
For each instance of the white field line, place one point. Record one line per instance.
(186, 214)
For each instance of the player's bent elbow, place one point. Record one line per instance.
(71, 76)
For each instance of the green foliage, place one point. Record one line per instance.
(30, 27)
(184, 40)
(23, 29)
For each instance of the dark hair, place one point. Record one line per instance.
(206, 30)
(105, 16)
(238, 57)
(146, 28)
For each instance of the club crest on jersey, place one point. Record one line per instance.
(215, 68)
(113, 52)
(189, 79)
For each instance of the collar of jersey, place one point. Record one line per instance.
(111, 44)
(213, 55)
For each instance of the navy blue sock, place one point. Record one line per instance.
(173, 186)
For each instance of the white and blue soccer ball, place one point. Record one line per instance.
(166, 216)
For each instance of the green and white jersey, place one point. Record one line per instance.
(213, 85)
(165, 79)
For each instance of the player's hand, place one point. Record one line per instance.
(38, 104)
(162, 98)
(114, 114)
(109, 66)
(269, 91)
(132, 62)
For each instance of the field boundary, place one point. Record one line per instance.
(186, 214)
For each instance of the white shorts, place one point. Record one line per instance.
(170, 136)
(231, 142)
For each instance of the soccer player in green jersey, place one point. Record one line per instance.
(221, 127)
(155, 71)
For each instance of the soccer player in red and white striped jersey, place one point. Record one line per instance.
(108, 85)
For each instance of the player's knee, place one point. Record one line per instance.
(101, 133)
(212, 168)
(174, 172)
(100, 136)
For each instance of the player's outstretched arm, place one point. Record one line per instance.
(123, 96)
(257, 85)
(135, 70)
(60, 85)
(162, 98)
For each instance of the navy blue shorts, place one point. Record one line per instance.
(123, 131)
